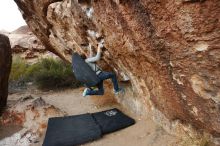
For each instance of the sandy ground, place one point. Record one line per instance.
(144, 133)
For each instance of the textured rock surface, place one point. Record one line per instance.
(26, 44)
(5, 67)
(169, 49)
(32, 114)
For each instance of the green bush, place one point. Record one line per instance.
(50, 73)
(18, 69)
(47, 74)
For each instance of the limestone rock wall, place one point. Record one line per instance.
(32, 114)
(168, 49)
(5, 67)
(25, 43)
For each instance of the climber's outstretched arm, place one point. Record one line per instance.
(90, 51)
(98, 55)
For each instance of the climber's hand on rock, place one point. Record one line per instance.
(90, 47)
(100, 45)
(99, 49)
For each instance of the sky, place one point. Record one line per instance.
(10, 16)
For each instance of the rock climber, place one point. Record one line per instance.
(103, 75)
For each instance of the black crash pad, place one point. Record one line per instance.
(79, 129)
(71, 130)
(112, 120)
(83, 71)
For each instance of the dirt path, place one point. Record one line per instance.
(144, 133)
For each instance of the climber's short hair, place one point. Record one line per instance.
(83, 56)
(99, 39)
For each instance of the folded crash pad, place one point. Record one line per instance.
(83, 71)
(71, 131)
(79, 129)
(112, 120)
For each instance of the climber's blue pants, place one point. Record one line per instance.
(104, 76)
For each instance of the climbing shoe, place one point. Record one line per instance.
(120, 90)
(85, 92)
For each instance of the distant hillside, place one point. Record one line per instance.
(4, 32)
(22, 30)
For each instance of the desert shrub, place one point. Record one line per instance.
(18, 69)
(50, 73)
(47, 73)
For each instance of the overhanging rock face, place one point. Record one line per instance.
(169, 49)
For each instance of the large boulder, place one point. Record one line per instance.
(169, 49)
(5, 67)
(26, 44)
(31, 114)
(22, 40)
